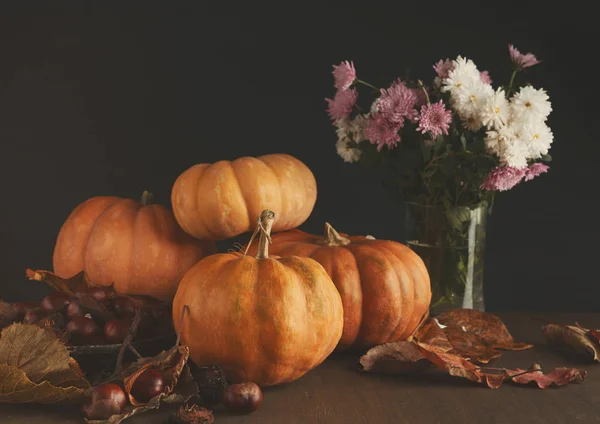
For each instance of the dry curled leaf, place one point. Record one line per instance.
(557, 377)
(193, 414)
(401, 357)
(478, 335)
(65, 285)
(36, 367)
(577, 339)
(179, 388)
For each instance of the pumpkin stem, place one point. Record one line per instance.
(265, 223)
(333, 238)
(147, 198)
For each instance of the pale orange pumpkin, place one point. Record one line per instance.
(384, 285)
(137, 247)
(221, 200)
(263, 319)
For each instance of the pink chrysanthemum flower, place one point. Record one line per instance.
(344, 75)
(535, 170)
(382, 132)
(503, 178)
(398, 103)
(434, 119)
(485, 77)
(443, 68)
(342, 104)
(520, 60)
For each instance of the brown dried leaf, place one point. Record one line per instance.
(69, 285)
(401, 357)
(578, 339)
(170, 365)
(185, 389)
(477, 335)
(432, 334)
(35, 366)
(452, 363)
(193, 415)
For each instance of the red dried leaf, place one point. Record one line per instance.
(557, 377)
(576, 339)
(452, 363)
(432, 334)
(477, 335)
(394, 358)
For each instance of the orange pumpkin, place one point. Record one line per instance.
(262, 319)
(384, 285)
(220, 201)
(138, 247)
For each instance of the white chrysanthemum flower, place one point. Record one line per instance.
(471, 123)
(375, 106)
(504, 143)
(349, 154)
(530, 105)
(464, 72)
(537, 137)
(470, 99)
(496, 111)
(357, 128)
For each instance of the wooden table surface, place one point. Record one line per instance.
(335, 393)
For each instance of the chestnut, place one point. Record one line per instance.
(55, 302)
(116, 330)
(33, 315)
(99, 293)
(82, 326)
(243, 397)
(74, 310)
(124, 306)
(148, 385)
(21, 308)
(106, 400)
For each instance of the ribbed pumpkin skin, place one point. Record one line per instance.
(222, 200)
(140, 249)
(384, 285)
(267, 320)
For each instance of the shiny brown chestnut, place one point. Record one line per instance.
(55, 302)
(243, 397)
(106, 400)
(116, 330)
(82, 326)
(148, 385)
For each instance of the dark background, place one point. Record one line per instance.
(102, 98)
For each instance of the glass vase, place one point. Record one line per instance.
(451, 242)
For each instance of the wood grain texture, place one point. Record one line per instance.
(335, 393)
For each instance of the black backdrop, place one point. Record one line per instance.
(117, 97)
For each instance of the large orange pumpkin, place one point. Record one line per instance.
(262, 319)
(138, 247)
(384, 285)
(220, 201)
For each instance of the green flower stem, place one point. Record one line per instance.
(512, 80)
(367, 84)
(424, 91)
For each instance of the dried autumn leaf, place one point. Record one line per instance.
(557, 377)
(179, 388)
(432, 334)
(170, 365)
(477, 335)
(575, 338)
(401, 357)
(193, 415)
(68, 285)
(36, 367)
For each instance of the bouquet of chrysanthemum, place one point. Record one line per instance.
(453, 142)
(446, 148)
